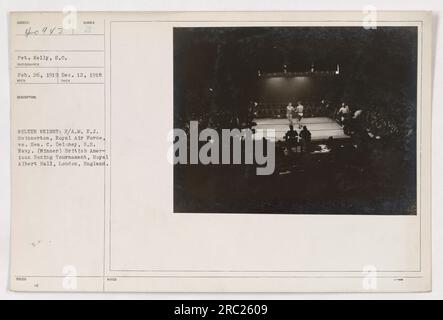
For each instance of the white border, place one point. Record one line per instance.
(232, 5)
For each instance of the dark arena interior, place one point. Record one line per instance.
(358, 89)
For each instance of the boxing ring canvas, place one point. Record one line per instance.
(321, 128)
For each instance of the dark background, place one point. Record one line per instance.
(378, 67)
(281, 90)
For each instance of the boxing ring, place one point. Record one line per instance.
(321, 128)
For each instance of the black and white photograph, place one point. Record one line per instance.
(295, 120)
(221, 152)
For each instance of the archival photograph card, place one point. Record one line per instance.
(221, 151)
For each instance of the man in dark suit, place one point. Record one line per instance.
(291, 137)
(305, 136)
